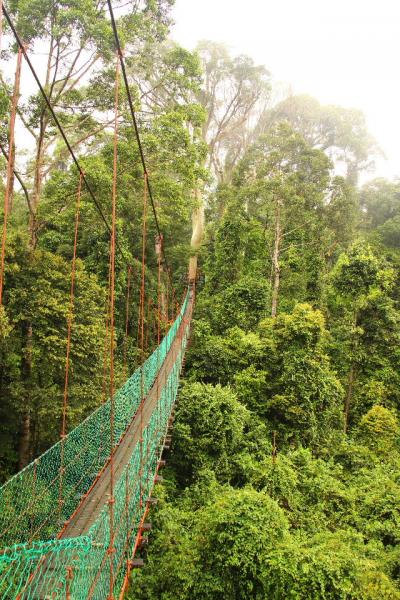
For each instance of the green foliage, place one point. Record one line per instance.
(356, 271)
(222, 553)
(265, 495)
(37, 303)
(379, 429)
(208, 432)
(365, 329)
(380, 200)
(241, 304)
(341, 132)
(215, 359)
(304, 396)
(326, 566)
(235, 537)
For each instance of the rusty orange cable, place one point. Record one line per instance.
(106, 337)
(142, 305)
(9, 181)
(158, 296)
(111, 548)
(128, 291)
(158, 252)
(143, 282)
(71, 309)
(173, 304)
(105, 350)
(148, 322)
(167, 305)
(69, 331)
(1, 25)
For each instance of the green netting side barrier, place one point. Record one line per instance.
(79, 568)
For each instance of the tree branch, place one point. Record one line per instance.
(20, 114)
(18, 176)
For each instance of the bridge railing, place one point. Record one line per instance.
(29, 501)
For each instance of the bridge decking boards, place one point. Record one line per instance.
(91, 506)
(94, 502)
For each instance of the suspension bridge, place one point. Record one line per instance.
(71, 521)
(83, 542)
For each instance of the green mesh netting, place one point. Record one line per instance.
(30, 507)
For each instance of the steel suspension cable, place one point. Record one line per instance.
(111, 501)
(127, 314)
(61, 129)
(136, 128)
(68, 350)
(1, 25)
(142, 308)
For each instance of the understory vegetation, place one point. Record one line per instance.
(283, 479)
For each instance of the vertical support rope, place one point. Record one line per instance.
(167, 308)
(142, 289)
(148, 324)
(159, 254)
(106, 337)
(101, 447)
(1, 25)
(10, 173)
(128, 291)
(158, 250)
(173, 308)
(142, 306)
(69, 331)
(111, 548)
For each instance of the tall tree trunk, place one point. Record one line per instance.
(24, 450)
(350, 378)
(37, 183)
(197, 234)
(25, 442)
(40, 152)
(348, 398)
(276, 269)
(11, 146)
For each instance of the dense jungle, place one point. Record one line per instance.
(283, 477)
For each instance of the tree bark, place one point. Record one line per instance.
(24, 450)
(348, 398)
(25, 441)
(276, 269)
(197, 234)
(11, 148)
(350, 381)
(40, 151)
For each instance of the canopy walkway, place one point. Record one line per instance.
(75, 563)
(72, 520)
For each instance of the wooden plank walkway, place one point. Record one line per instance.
(92, 505)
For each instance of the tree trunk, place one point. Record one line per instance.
(276, 270)
(25, 441)
(37, 184)
(40, 152)
(350, 378)
(348, 398)
(11, 146)
(197, 234)
(24, 451)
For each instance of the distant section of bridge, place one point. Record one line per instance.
(81, 544)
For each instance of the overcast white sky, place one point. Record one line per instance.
(343, 52)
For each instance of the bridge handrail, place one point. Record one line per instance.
(41, 478)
